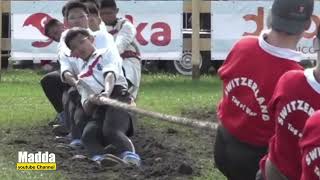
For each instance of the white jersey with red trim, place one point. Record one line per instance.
(72, 64)
(124, 34)
(102, 27)
(93, 71)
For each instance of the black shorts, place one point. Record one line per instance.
(235, 159)
(121, 94)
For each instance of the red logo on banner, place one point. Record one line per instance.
(160, 35)
(38, 20)
(259, 21)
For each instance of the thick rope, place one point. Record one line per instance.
(101, 100)
(164, 117)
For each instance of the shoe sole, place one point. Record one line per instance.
(61, 139)
(76, 147)
(64, 147)
(59, 130)
(110, 160)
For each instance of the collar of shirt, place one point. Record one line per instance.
(284, 53)
(309, 74)
(92, 57)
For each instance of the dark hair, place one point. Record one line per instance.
(63, 11)
(51, 23)
(74, 32)
(281, 31)
(108, 4)
(93, 9)
(95, 2)
(72, 5)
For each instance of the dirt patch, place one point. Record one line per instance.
(200, 114)
(164, 154)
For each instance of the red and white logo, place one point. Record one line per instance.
(38, 20)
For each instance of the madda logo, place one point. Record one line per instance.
(36, 161)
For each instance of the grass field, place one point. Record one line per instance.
(24, 106)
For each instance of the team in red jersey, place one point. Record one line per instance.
(295, 99)
(247, 91)
(309, 144)
(250, 74)
(310, 148)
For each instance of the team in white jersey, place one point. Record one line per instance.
(100, 70)
(102, 75)
(124, 34)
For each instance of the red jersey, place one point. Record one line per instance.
(295, 99)
(250, 74)
(310, 148)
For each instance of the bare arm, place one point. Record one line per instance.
(109, 82)
(93, 100)
(70, 78)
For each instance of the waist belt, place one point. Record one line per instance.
(130, 54)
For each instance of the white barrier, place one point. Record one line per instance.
(158, 23)
(233, 19)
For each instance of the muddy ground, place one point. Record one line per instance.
(165, 152)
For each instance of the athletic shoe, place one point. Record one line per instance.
(63, 147)
(80, 157)
(69, 136)
(131, 158)
(62, 139)
(76, 144)
(61, 118)
(107, 160)
(110, 149)
(59, 130)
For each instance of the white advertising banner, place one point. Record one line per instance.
(158, 24)
(231, 20)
